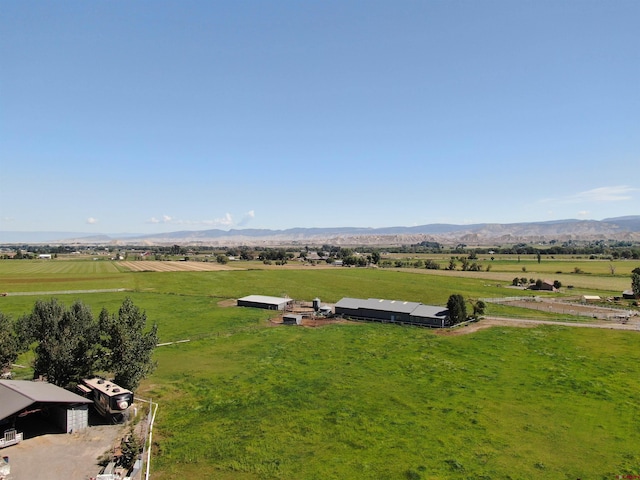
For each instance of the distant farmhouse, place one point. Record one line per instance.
(263, 301)
(393, 311)
(548, 285)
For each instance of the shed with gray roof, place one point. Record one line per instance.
(264, 301)
(18, 398)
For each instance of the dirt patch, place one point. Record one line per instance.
(571, 308)
(62, 456)
(481, 325)
(321, 322)
(315, 322)
(228, 303)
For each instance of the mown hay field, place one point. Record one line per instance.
(61, 275)
(248, 400)
(172, 266)
(57, 267)
(607, 285)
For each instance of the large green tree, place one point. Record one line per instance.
(8, 342)
(635, 282)
(67, 341)
(457, 309)
(130, 344)
(70, 344)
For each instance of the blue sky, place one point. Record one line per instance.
(155, 116)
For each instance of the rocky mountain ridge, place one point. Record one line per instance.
(620, 229)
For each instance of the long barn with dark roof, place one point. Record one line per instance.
(393, 311)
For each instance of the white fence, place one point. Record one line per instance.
(511, 299)
(11, 437)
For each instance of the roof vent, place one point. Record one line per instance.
(100, 382)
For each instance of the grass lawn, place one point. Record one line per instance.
(381, 401)
(246, 400)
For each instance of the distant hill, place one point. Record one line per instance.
(621, 228)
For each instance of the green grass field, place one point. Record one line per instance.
(247, 400)
(370, 401)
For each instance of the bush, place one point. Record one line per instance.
(431, 265)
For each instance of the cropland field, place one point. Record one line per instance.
(151, 266)
(61, 275)
(550, 265)
(248, 400)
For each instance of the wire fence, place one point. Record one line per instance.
(581, 310)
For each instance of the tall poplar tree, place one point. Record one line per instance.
(130, 344)
(8, 342)
(457, 309)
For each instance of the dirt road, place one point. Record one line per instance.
(489, 322)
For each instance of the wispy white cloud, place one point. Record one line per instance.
(583, 213)
(617, 193)
(605, 194)
(164, 219)
(247, 217)
(225, 221)
(92, 221)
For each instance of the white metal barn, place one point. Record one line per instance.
(263, 301)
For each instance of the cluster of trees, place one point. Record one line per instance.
(533, 283)
(70, 344)
(571, 247)
(467, 264)
(278, 255)
(457, 307)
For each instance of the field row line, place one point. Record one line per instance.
(65, 292)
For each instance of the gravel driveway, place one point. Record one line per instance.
(62, 456)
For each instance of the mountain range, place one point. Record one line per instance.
(620, 228)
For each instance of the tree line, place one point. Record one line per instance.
(70, 344)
